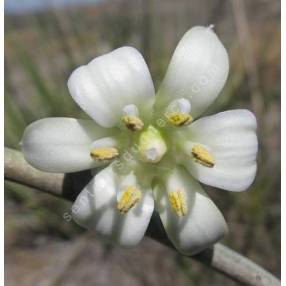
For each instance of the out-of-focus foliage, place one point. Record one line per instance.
(41, 50)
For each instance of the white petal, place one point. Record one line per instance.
(201, 227)
(197, 71)
(95, 209)
(231, 138)
(61, 144)
(108, 83)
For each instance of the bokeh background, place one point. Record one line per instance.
(45, 41)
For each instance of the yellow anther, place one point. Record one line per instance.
(128, 199)
(202, 156)
(104, 153)
(132, 122)
(178, 202)
(179, 119)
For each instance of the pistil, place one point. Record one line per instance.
(152, 146)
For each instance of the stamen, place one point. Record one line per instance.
(179, 119)
(128, 199)
(132, 122)
(178, 202)
(202, 156)
(104, 153)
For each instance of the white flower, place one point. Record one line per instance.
(154, 147)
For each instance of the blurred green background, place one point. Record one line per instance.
(44, 45)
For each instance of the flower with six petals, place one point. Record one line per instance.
(146, 148)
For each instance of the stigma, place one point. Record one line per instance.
(130, 197)
(104, 153)
(202, 156)
(178, 202)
